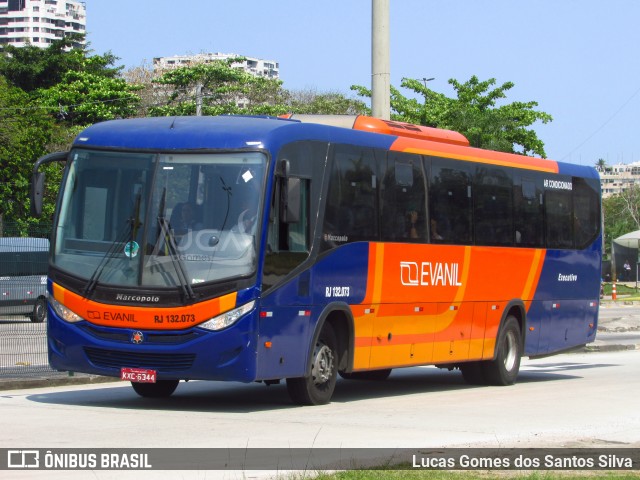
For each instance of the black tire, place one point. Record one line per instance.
(318, 388)
(39, 313)
(504, 369)
(160, 389)
(377, 375)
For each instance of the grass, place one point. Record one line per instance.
(476, 475)
(630, 293)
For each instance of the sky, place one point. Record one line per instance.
(578, 59)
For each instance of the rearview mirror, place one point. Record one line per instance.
(290, 203)
(36, 192)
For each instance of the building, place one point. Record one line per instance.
(40, 22)
(615, 179)
(254, 66)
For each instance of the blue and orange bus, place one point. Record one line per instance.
(263, 249)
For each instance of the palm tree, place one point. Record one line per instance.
(601, 165)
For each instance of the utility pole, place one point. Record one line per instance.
(198, 99)
(380, 69)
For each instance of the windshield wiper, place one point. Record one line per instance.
(170, 240)
(229, 193)
(133, 223)
(109, 255)
(175, 258)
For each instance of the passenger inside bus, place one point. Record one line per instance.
(435, 235)
(183, 219)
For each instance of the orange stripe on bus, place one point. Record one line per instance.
(156, 318)
(411, 314)
(474, 154)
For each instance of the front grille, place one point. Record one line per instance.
(163, 362)
(149, 338)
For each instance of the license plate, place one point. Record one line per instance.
(138, 375)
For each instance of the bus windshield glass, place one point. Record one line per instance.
(159, 220)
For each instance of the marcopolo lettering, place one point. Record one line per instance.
(137, 298)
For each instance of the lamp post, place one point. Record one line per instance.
(380, 64)
(425, 80)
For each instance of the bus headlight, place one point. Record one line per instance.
(63, 312)
(228, 318)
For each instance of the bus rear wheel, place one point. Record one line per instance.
(160, 389)
(317, 388)
(504, 369)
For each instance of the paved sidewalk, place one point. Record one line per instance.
(620, 331)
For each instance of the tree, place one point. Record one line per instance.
(621, 215)
(474, 113)
(324, 103)
(44, 95)
(150, 94)
(601, 165)
(74, 86)
(27, 131)
(83, 98)
(218, 88)
(31, 68)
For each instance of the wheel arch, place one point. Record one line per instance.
(340, 317)
(517, 309)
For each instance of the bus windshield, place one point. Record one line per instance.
(159, 220)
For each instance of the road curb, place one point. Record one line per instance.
(609, 348)
(42, 382)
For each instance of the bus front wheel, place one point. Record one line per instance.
(160, 389)
(317, 388)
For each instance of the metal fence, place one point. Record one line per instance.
(23, 349)
(23, 325)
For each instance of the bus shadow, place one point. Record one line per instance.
(542, 372)
(202, 396)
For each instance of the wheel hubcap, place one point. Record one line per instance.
(322, 364)
(511, 351)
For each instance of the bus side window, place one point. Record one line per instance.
(351, 208)
(586, 211)
(558, 210)
(289, 243)
(450, 201)
(493, 210)
(403, 199)
(528, 212)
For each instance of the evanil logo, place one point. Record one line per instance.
(436, 274)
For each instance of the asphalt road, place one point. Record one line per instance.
(586, 399)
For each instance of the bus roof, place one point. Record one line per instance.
(250, 132)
